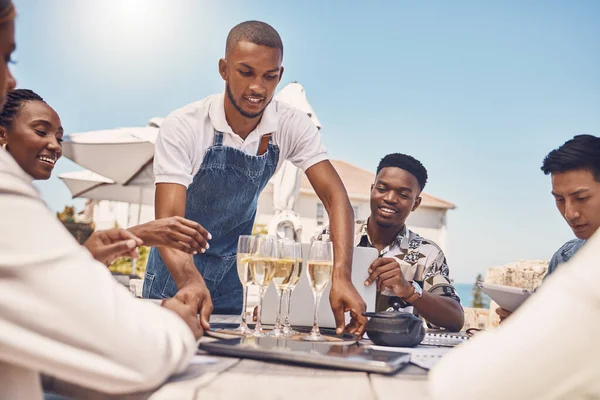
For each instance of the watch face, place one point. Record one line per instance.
(418, 288)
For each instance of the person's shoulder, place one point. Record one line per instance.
(566, 249)
(13, 180)
(190, 112)
(429, 244)
(288, 115)
(563, 254)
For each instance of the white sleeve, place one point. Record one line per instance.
(173, 152)
(305, 147)
(547, 349)
(63, 314)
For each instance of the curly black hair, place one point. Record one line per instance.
(407, 163)
(14, 101)
(581, 152)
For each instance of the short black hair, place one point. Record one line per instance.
(256, 32)
(581, 152)
(407, 163)
(15, 99)
(7, 11)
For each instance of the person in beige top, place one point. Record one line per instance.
(61, 312)
(547, 349)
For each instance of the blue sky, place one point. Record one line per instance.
(478, 91)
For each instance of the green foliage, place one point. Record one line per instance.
(67, 215)
(123, 265)
(477, 296)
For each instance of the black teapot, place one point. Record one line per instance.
(395, 328)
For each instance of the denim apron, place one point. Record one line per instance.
(222, 198)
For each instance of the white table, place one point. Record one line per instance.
(211, 377)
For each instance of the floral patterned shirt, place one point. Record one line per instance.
(421, 260)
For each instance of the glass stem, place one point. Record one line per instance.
(289, 302)
(315, 329)
(258, 328)
(278, 320)
(244, 324)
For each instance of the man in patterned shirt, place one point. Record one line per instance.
(410, 271)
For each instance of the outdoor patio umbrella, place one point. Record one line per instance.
(117, 154)
(89, 185)
(294, 94)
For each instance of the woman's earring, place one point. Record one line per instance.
(4, 146)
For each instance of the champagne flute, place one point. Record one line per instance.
(287, 327)
(262, 269)
(320, 268)
(284, 270)
(244, 249)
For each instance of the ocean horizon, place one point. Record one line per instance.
(465, 292)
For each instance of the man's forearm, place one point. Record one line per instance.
(169, 202)
(441, 311)
(331, 191)
(342, 230)
(180, 265)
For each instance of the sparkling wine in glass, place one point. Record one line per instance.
(262, 269)
(320, 268)
(298, 267)
(244, 250)
(284, 270)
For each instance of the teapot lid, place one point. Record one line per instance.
(395, 314)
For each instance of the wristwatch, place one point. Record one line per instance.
(417, 293)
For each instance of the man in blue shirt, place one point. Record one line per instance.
(575, 171)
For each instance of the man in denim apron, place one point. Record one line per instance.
(214, 157)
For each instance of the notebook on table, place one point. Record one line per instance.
(444, 339)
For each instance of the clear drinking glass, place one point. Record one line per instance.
(262, 268)
(244, 249)
(284, 270)
(287, 327)
(320, 268)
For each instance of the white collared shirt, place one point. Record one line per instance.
(188, 132)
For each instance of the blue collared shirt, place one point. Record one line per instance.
(563, 254)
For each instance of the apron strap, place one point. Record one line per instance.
(265, 140)
(218, 140)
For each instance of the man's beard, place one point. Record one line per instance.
(239, 109)
(384, 224)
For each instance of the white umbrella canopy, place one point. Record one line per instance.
(89, 185)
(117, 154)
(295, 95)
